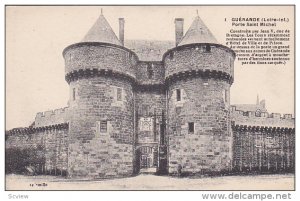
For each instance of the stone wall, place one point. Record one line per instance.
(195, 58)
(263, 142)
(99, 56)
(51, 117)
(149, 50)
(56, 151)
(143, 75)
(100, 157)
(95, 152)
(263, 149)
(262, 119)
(48, 146)
(208, 148)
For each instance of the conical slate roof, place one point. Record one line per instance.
(198, 33)
(101, 31)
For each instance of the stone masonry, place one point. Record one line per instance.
(151, 105)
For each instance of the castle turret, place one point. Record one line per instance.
(101, 73)
(199, 73)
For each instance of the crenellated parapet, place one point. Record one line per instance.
(94, 72)
(211, 60)
(93, 58)
(258, 118)
(52, 112)
(150, 73)
(205, 74)
(31, 130)
(264, 129)
(50, 117)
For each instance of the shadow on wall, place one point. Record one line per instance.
(24, 161)
(28, 162)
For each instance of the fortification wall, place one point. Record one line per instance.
(262, 119)
(52, 117)
(263, 142)
(18, 139)
(197, 58)
(101, 128)
(47, 147)
(263, 149)
(150, 73)
(83, 56)
(208, 147)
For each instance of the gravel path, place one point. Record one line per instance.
(151, 182)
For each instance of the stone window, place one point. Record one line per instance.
(145, 110)
(103, 126)
(74, 94)
(178, 128)
(132, 59)
(150, 71)
(207, 48)
(226, 96)
(205, 81)
(119, 94)
(178, 94)
(191, 127)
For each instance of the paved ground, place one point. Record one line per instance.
(151, 182)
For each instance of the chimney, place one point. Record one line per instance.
(178, 30)
(121, 30)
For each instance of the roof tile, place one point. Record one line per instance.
(198, 33)
(101, 31)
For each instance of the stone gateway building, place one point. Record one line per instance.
(152, 106)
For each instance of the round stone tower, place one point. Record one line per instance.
(100, 73)
(199, 73)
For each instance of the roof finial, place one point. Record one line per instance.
(257, 100)
(197, 13)
(101, 11)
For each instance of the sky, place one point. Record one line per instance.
(36, 37)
